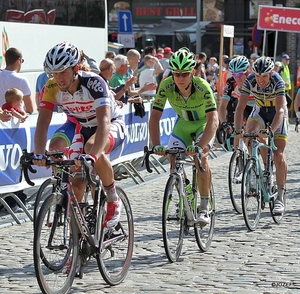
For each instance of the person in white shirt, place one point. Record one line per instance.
(148, 75)
(10, 78)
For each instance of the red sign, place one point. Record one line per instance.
(275, 18)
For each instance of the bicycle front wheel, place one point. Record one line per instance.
(172, 220)
(54, 246)
(48, 187)
(116, 244)
(251, 195)
(235, 173)
(204, 232)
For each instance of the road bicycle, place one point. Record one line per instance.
(237, 163)
(52, 185)
(180, 206)
(70, 232)
(258, 185)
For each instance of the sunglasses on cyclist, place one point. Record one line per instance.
(237, 74)
(181, 74)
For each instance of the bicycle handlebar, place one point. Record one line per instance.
(173, 151)
(26, 163)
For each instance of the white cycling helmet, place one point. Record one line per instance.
(61, 57)
(263, 65)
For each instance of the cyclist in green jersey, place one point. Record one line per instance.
(193, 101)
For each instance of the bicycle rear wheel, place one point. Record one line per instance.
(116, 244)
(204, 233)
(48, 187)
(172, 220)
(54, 245)
(235, 173)
(251, 195)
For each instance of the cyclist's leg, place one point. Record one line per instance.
(63, 136)
(180, 138)
(255, 123)
(105, 170)
(204, 179)
(280, 139)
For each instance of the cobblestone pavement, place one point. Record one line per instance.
(264, 261)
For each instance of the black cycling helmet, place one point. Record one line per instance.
(183, 59)
(61, 57)
(263, 65)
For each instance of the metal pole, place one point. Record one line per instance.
(198, 30)
(275, 45)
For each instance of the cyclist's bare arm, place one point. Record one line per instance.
(40, 136)
(279, 106)
(210, 128)
(223, 110)
(238, 116)
(154, 129)
(297, 104)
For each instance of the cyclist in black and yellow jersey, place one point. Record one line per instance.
(193, 101)
(270, 108)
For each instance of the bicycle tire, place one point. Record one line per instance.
(172, 221)
(276, 218)
(116, 244)
(48, 187)
(53, 279)
(204, 233)
(251, 195)
(235, 171)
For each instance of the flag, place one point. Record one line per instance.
(5, 41)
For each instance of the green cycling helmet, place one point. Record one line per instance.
(183, 59)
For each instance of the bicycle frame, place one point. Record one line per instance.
(179, 173)
(263, 176)
(72, 203)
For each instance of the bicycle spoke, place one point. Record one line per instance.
(172, 220)
(116, 245)
(251, 196)
(204, 233)
(53, 247)
(235, 173)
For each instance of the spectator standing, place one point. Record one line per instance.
(107, 68)
(10, 78)
(285, 60)
(110, 54)
(165, 63)
(148, 75)
(212, 72)
(165, 60)
(149, 50)
(249, 49)
(278, 67)
(203, 58)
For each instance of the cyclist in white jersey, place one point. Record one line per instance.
(270, 109)
(101, 129)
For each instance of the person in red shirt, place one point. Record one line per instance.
(14, 100)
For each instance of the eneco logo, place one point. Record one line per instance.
(277, 19)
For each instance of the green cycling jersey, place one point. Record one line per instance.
(192, 108)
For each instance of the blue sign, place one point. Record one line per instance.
(124, 22)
